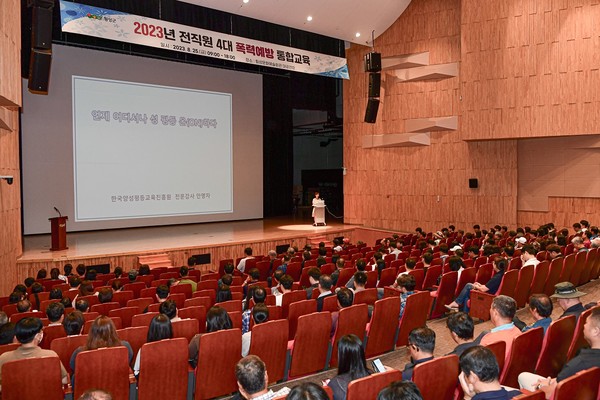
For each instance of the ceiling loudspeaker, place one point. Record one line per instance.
(371, 113)
(374, 84)
(41, 28)
(39, 71)
(373, 62)
(473, 183)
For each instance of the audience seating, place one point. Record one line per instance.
(523, 356)
(198, 301)
(149, 293)
(8, 347)
(106, 368)
(499, 350)
(210, 293)
(431, 276)
(381, 332)
(581, 386)
(555, 269)
(297, 310)
(370, 386)
(185, 289)
(310, 346)
(578, 268)
(270, 342)
(590, 262)
(466, 276)
(135, 287)
(29, 314)
(90, 316)
(104, 308)
(415, 315)
(371, 279)
(208, 284)
(136, 336)
(351, 320)
(568, 265)
(236, 318)
(115, 320)
(125, 313)
(330, 304)
(555, 346)
(345, 275)
(596, 267)
(436, 379)
(444, 293)
(196, 312)
(44, 304)
(578, 340)
(91, 299)
(163, 370)
(484, 273)
(419, 275)
(51, 333)
(32, 378)
(367, 296)
(123, 297)
(388, 277)
(481, 302)
(523, 285)
(143, 319)
(218, 354)
(185, 328)
(289, 298)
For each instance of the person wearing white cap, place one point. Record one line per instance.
(520, 242)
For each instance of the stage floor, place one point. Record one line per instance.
(164, 238)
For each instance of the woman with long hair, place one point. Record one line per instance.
(102, 334)
(160, 328)
(36, 289)
(223, 293)
(217, 319)
(352, 365)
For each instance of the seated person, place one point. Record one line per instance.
(325, 285)
(406, 284)
(499, 264)
(248, 255)
(253, 380)
(73, 323)
(345, 298)
(360, 281)
(82, 305)
(307, 391)
(587, 358)
(461, 329)
(540, 307)
(253, 277)
(361, 266)
(313, 277)
(502, 312)
(185, 278)
(400, 390)
(421, 344)
(569, 299)
(105, 295)
(260, 314)
(352, 365)
(259, 295)
(7, 333)
(55, 313)
(23, 306)
(479, 375)
(169, 308)
(223, 293)
(160, 328)
(217, 319)
(28, 332)
(286, 283)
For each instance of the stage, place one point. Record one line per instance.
(121, 247)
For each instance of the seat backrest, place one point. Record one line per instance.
(509, 283)
(115, 320)
(537, 395)
(135, 287)
(351, 320)
(8, 347)
(269, 342)
(383, 326)
(484, 273)
(304, 282)
(523, 285)
(555, 347)
(220, 351)
(499, 350)
(186, 328)
(329, 304)
(123, 297)
(143, 319)
(444, 293)
(311, 344)
(590, 262)
(65, 347)
(106, 368)
(581, 386)
(568, 265)
(33, 314)
(369, 386)
(136, 336)
(388, 277)
(554, 271)
(297, 310)
(419, 275)
(466, 276)
(443, 371)
(578, 340)
(523, 356)
(371, 279)
(196, 312)
(578, 268)
(263, 269)
(289, 298)
(164, 370)
(345, 275)
(432, 275)
(104, 308)
(415, 315)
(46, 372)
(367, 296)
(198, 301)
(125, 313)
(183, 288)
(51, 333)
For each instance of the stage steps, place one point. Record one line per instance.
(155, 260)
(315, 240)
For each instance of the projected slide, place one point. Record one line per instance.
(146, 151)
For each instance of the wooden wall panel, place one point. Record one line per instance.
(563, 211)
(10, 93)
(529, 68)
(402, 188)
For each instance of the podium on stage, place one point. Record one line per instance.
(58, 233)
(319, 212)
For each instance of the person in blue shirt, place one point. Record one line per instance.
(540, 307)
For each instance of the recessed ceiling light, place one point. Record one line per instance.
(246, 1)
(357, 34)
(309, 18)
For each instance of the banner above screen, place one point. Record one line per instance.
(115, 25)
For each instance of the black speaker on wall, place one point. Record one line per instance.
(473, 183)
(41, 28)
(371, 113)
(373, 62)
(39, 71)
(374, 84)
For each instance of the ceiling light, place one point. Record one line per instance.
(309, 18)
(357, 34)
(246, 1)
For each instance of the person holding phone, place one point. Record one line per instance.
(352, 365)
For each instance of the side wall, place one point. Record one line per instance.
(401, 188)
(10, 99)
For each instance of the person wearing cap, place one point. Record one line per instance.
(528, 256)
(520, 242)
(587, 358)
(568, 299)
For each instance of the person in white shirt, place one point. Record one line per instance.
(528, 256)
(242, 264)
(253, 380)
(286, 283)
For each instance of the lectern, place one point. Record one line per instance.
(58, 232)
(319, 212)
